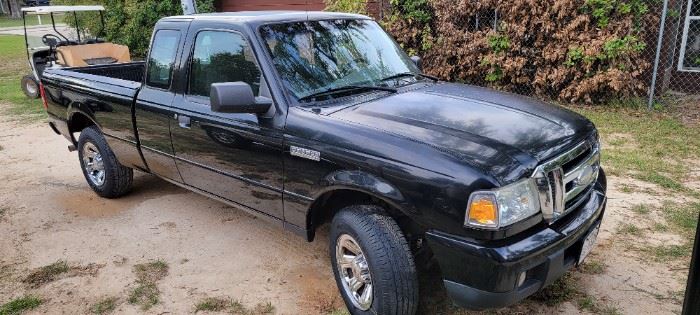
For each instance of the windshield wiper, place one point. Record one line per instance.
(410, 74)
(347, 88)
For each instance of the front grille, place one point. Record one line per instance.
(564, 181)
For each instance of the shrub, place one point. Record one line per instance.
(351, 6)
(570, 50)
(130, 22)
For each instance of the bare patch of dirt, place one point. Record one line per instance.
(214, 250)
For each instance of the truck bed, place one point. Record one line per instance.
(123, 79)
(132, 71)
(105, 95)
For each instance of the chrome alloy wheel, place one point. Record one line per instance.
(93, 165)
(354, 271)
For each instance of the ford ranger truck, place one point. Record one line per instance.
(313, 118)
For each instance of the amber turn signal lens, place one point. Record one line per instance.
(483, 211)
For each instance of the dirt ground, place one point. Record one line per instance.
(212, 250)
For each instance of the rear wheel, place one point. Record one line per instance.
(30, 87)
(372, 263)
(105, 175)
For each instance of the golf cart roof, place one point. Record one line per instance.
(61, 8)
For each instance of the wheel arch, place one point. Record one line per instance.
(344, 188)
(77, 121)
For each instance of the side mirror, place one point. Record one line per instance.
(417, 61)
(236, 97)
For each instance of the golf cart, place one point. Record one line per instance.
(63, 45)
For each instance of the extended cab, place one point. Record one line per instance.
(306, 118)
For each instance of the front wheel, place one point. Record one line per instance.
(103, 172)
(372, 262)
(30, 87)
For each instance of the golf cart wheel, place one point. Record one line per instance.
(30, 87)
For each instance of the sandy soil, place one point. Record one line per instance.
(213, 250)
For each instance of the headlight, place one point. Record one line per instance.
(493, 209)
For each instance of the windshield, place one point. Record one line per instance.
(316, 56)
(40, 25)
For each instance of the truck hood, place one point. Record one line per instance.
(504, 134)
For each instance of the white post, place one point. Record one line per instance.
(662, 26)
(188, 7)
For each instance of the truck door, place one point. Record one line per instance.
(235, 156)
(153, 104)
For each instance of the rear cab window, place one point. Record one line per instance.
(161, 60)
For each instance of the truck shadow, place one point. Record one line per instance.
(82, 201)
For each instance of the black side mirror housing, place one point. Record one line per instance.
(417, 61)
(236, 97)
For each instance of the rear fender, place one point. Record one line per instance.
(79, 117)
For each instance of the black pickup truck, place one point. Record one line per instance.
(307, 118)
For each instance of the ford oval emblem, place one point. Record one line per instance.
(586, 176)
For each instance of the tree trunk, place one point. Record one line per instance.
(14, 8)
(3, 7)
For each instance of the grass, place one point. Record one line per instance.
(340, 311)
(214, 304)
(263, 309)
(46, 274)
(152, 271)
(224, 304)
(6, 21)
(660, 227)
(590, 304)
(683, 220)
(655, 149)
(13, 58)
(641, 209)
(626, 188)
(562, 290)
(593, 267)
(665, 252)
(630, 229)
(146, 293)
(104, 306)
(20, 305)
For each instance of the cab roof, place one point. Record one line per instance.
(261, 17)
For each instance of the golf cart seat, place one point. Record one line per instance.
(92, 54)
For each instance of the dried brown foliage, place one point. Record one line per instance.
(556, 49)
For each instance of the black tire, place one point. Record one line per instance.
(393, 272)
(30, 87)
(117, 178)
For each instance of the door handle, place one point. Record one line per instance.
(183, 121)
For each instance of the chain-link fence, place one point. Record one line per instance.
(675, 75)
(652, 56)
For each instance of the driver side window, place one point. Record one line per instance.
(221, 56)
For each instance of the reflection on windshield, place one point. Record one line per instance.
(315, 56)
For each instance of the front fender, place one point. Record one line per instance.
(362, 182)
